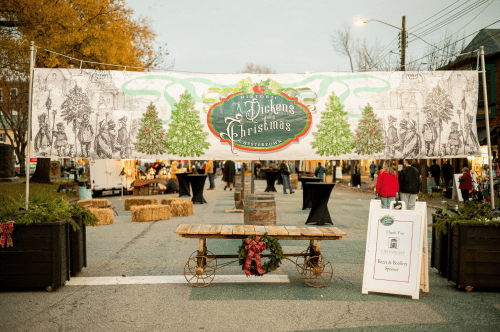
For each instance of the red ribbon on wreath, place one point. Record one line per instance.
(254, 247)
(6, 230)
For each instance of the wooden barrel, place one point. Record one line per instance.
(294, 178)
(260, 209)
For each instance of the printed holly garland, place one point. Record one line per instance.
(256, 244)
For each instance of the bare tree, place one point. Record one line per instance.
(447, 48)
(250, 68)
(343, 44)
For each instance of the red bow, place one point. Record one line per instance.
(254, 247)
(6, 230)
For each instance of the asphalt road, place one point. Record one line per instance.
(149, 294)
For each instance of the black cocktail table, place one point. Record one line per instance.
(197, 183)
(183, 184)
(306, 199)
(319, 194)
(270, 179)
(304, 179)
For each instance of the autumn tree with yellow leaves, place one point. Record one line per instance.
(102, 31)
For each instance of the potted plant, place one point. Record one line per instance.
(38, 254)
(473, 245)
(78, 237)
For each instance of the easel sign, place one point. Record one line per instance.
(456, 183)
(396, 251)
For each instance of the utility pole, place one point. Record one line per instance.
(403, 44)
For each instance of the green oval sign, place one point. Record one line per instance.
(387, 221)
(259, 122)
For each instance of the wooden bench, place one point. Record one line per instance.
(317, 271)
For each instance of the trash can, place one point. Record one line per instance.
(84, 191)
(448, 192)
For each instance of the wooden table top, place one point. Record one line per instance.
(242, 231)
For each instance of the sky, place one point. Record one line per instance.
(292, 36)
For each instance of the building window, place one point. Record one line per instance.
(2, 137)
(13, 92)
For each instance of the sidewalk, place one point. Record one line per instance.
(147, 292)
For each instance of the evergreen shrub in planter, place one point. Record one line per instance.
(40, 256)
(473, 246)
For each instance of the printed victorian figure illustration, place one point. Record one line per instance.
(85, 135)
(454, 142)
(430, 135)
(392, 137)
(61, 139)
(42, 138)
(470, 137)
(104, 141)
(122, 139)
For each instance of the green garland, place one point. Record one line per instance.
(272, 245)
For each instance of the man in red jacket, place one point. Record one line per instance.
(387, 185)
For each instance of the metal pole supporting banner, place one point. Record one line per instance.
(487, 118)
(30, 104)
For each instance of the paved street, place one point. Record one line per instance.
(163, 301)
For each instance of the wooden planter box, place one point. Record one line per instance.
(78, 247)
(439, 251)
(474, 256)
(39, 258)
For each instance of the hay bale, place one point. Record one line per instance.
(105, 216)
(169, 200)
(139, 201)
(182, 208)
(94, 203)
(143, 213)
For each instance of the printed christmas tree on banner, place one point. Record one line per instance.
(368, 138)
(334, 136)
(185, 134)
(151, 136)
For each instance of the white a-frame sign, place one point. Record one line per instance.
(396, 250)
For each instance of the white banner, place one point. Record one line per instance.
(168, 115)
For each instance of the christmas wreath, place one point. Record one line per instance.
(250, 250)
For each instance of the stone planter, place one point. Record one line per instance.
(474, 256)
(40, 256)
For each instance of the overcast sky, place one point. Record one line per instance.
(295, 36)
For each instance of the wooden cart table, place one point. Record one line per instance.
(201, 266)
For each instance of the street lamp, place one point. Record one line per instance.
(361, 21)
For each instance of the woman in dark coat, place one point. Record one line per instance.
(229, 174)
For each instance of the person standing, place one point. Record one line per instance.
(387, 184)
(209, 170)
(229, 170)
(285, 174)
(465, 184)
(409, 178)
(373, 168)
(436, 173)
(320, 172)
(448, 174)
(291, 165)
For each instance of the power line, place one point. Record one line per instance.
(451, 19)
(482, 40)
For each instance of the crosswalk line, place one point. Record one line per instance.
(149, 280)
